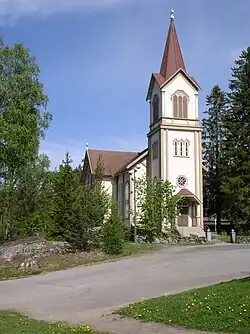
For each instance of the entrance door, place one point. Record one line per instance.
(183, 219)
(194, 215)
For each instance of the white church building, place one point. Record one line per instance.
(174, 151)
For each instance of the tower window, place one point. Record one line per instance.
(182, 181)
(180, 105)
(186, 148)
(155, 150)
(181, 148)
(156, 103)
(176, 144)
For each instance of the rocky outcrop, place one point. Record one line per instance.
(10, 252)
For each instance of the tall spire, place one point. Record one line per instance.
(172, 59)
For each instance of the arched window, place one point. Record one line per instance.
(185, 107)
(156, 103)
(126, 200)
(175, 106)
(176, 147)
(155, 150)
(180, 105)
(186, 148)
(181, 148)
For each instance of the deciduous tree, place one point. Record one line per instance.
(157, 206)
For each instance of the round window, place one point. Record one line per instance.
(182, 181)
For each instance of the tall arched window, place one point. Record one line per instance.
(176, 147)
(175, 105)
(185, 107)
(126, 200)
(186, 148)
(181, 148)
(156, 103)
(180, 105)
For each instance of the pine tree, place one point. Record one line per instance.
(213, 145)
(61, 212)
(113, 233)
(237, 153)
(89, 207)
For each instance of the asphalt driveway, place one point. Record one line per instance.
(82, 294)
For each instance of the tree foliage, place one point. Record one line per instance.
(77, 212)
(61, 209)
(113, 233)
(236, 182)
(22, 118)
(157, 206)
(22, 124)
(227, 147)
(213, 151)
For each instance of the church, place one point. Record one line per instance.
(174, 151)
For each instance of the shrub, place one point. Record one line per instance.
(113, 233)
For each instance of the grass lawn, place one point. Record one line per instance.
(13, 323)
(58, 262)
(220, 308)
(220, 237)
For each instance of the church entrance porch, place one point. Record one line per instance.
(183, 219)
(189, 210)
(188, 214)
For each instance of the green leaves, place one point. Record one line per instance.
(23, 122)
(236, 182)
(226, 143)
(77, 211)
(213, 151)
(157, 206)
(113, 233)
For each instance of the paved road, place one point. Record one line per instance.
(84, 293)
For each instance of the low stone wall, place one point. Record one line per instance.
(176, 240)
(243, 239)
(34, 250)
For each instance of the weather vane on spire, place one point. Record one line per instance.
(172, 14)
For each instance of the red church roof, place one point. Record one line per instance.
(172, 59)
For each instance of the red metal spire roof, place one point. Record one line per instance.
(172, 59)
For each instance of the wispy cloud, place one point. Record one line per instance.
(12, 10)
(56, 150)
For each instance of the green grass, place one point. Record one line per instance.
(70, 260)
(13, 323)
(220, 308)
(221, 237)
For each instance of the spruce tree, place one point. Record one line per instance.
(61, 211)
(213, 145)
(237, 153)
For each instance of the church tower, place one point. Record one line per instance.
(174, 139)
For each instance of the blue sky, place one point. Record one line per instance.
(96, 58)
